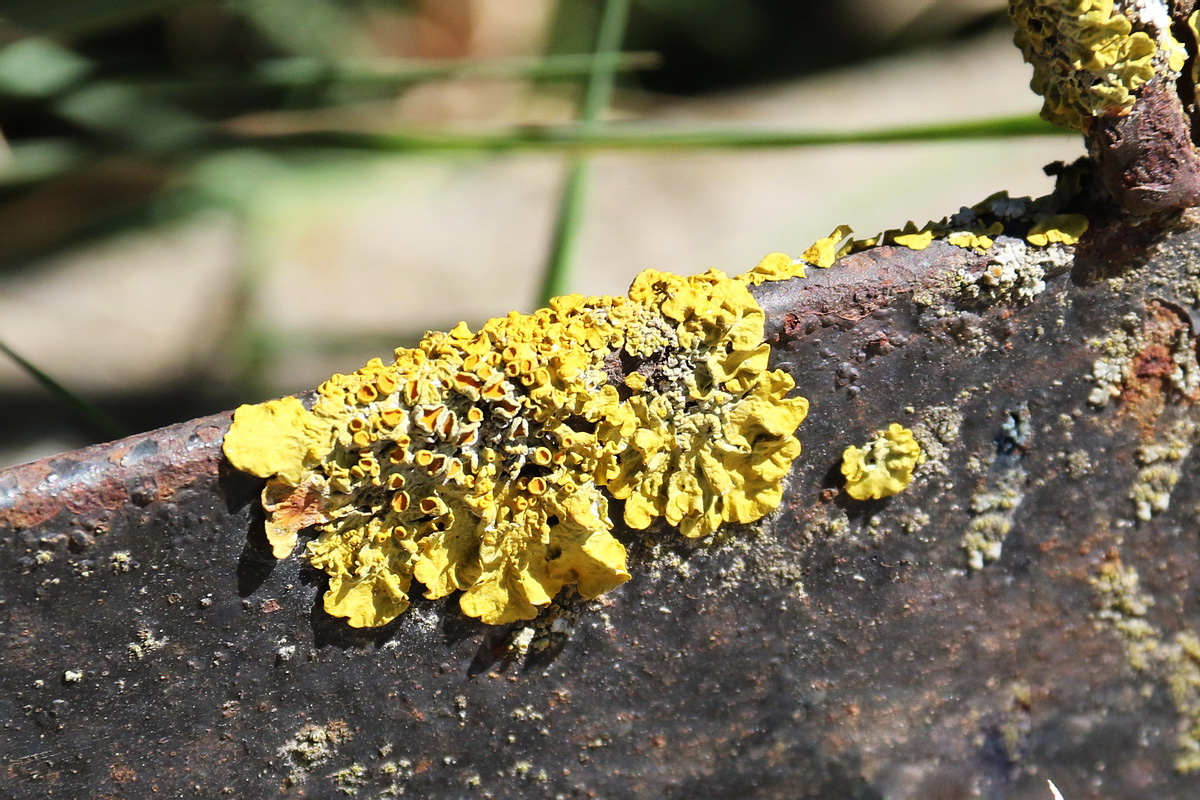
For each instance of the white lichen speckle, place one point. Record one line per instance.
(147, 642)
(1161, 463)
(312, 746)
(1078, 463)
(1015, 271)
(992, 511)
(1115, 362)
(1174, 661)
(937, 431)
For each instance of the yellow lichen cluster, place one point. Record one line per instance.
(1057, 229)
(1193, 24)
(483, 462)
(1087, 58)
(971, 228)
(884, 466)
(780, 266)
(974, 228)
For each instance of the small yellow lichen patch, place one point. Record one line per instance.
(483, 462)
(883, 467)
(824, 252)
(269, 439)
(1059, 228)
(774, 267)
(1193, 23)
(978, 240)
(913, 238)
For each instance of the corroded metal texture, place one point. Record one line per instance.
(955, 641)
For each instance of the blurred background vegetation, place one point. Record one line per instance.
(208, 202)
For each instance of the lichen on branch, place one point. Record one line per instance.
(484, 462)
(1090, 59)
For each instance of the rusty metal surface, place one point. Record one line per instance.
(841, 649)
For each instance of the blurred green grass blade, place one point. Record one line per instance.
(645, 137)
(41, 164)
(288, 73)
(598, 93)
(96, 417)
(300, 71)
(557, 278)
(596, 97)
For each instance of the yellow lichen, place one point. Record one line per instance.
(279, 445)
(979, 239)
(781, 267)
(1087, 59)
(972, 228)
(884, 466)
(914, 238)
(1058, 228)
(1193, 23)
(829, 249)
(774, 267)
(483, 462)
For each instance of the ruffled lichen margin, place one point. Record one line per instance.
(485, 462)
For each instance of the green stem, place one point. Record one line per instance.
(596, 98)
(302, 72)
(99, 420)
(579, 139)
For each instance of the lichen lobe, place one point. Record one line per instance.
(884, 466)
(484, 462)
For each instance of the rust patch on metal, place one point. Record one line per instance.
(858, 286)
(86, 487)
(1150, 387)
